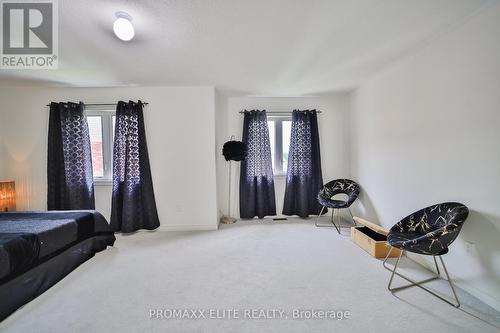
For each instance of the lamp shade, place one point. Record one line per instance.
(234, 150)
(7, 196)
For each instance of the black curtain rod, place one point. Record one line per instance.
(104, 104)
(281, 112)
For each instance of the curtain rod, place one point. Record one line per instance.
(280, 112)
(104, 104)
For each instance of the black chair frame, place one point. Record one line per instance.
(332, 188)
(429, 231)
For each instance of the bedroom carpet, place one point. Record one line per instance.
(249, 266)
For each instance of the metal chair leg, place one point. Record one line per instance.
(326, 225)
(412, 283)
(457, 305)
(436, 264)
(384, 263)
(394, 269)
(337, 225)
(321, 212)
(333, 220)
(332, 225)
(387, 257)
(419, 283)
(352, 216)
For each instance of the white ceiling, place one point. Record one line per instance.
(261, 47)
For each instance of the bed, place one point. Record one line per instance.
(37, 249)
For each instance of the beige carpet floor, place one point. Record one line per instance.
(249, 266)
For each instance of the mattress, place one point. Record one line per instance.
(27, 238)
(25, 287)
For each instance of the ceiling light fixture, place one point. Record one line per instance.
(123, 27)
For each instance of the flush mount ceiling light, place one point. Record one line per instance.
(123, 27)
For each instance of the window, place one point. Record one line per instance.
(279, 137)
(101, 131)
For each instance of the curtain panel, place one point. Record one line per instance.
(256, 170)
(133, 202)
(304, 178)
(69, 164)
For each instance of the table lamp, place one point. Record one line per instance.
(7, 195)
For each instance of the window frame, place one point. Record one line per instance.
(107, 142)
(278, 142)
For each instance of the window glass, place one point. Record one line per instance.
(279, 137)
(113, 118)
(95, 132)
(286, 133)
(272, 139)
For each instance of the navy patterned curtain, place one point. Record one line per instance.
(256, 170)
(69, 164)
(303, 178)
(133, 204)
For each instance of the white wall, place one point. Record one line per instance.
(180, 130)
(221, 136)
(427, 131)
(421, 132)
(333, 130)
(2, 175)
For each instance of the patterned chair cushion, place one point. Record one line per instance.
(429, 231)
(338, 186)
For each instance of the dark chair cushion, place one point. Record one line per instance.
(338, 186)
(332, 203)
(430, 230)
(407, 242)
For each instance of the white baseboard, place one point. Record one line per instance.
(488, 299)
(187, 227)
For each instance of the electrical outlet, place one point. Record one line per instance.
(470, 247)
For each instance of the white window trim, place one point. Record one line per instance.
(278, 143)
(107, 141)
